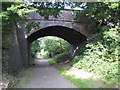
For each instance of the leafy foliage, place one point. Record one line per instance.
(54, 46)
(49, 46)
(46, 54)
(51, 62)
(19, 80)
(46, 9)
(32, 25)
(12, 12)
(35, 48)
(101, 55)
(105, 18)
(62, 57)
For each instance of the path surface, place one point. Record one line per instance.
(46, 76)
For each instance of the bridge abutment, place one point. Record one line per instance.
(75, 49)
(18, 50)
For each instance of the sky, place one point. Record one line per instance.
(53, 1)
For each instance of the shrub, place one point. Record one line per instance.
(51, 62)
(46, 54)
(62, 57)
(54, 45)
(101, 56)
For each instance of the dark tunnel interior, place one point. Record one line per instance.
(68, 34)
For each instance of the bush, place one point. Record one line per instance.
(54, 45)
(51, 62)
(46, 54)
(101, 55)
(62, 57)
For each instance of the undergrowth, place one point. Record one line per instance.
(101, 56)
(20, 79)
(62, 57)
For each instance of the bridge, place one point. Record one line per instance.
(74, 31)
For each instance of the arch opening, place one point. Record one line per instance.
(75, 38)
(49, 47)
(68, 34)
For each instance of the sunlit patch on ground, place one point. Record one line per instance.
(78, 73)
(92, 80)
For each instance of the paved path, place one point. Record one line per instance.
(46, 76)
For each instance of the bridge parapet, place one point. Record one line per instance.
(63, 15)
(66, 19)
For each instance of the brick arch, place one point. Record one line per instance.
(65, 32)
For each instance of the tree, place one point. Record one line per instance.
(55, 45)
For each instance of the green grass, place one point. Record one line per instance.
(77, 82)
(25, 74)
(51, 62)
(21, 79)
(83, 83)
(36, 60)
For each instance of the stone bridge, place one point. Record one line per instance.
(74, 31)
(65, 19)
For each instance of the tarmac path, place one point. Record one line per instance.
(46, 76)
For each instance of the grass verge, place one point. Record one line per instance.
(20, 80)
(83, 82)
(24, 77)
(77, 82)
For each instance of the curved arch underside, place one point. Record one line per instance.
(68, 34)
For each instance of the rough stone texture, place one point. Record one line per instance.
(23, 46)
(66, 19)
(15, 60)
(18, 50)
